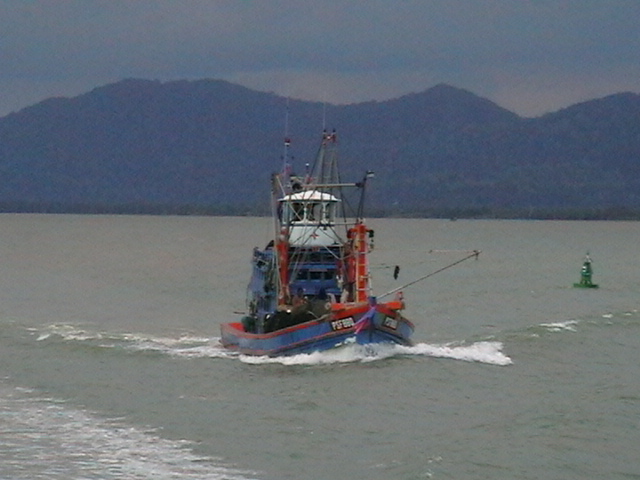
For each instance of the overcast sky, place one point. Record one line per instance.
(530, 56)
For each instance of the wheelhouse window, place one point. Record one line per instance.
(316, 275)
(308, 211)
(298, 211)
(316, 211)
(305, 274)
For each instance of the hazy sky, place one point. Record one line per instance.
(530, 56)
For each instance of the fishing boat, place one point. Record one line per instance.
(310, 287)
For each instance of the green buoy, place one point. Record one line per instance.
(585, 274)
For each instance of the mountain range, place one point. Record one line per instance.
(209, 146)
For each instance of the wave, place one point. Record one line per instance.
(569, 325)
(44, 438)
(605, 319)
(584, 325)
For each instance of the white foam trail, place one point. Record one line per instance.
(67, 332)
(182, 346)
(190, 347)
(345, 354)
(483, 352)
(203, 347)
(43, 438)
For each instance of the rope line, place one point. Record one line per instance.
(474, 254)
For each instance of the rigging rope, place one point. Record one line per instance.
(474, 254)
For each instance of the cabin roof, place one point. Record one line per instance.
(313, 195)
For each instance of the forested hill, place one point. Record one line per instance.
(209, 146)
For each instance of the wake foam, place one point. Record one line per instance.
(182, 346)
(43, 438)
(482, 352)
(187, 346)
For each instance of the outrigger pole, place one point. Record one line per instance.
(472, 255)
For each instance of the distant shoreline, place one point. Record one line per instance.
(451, 213)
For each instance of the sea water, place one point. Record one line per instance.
(110, 363)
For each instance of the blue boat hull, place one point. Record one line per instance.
(319, 335)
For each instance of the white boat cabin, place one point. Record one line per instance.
(310, 217)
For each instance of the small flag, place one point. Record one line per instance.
(365, 322)
(367, 318)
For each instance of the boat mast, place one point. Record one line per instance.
(286, 166)
(281, 242)
(281, 185)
